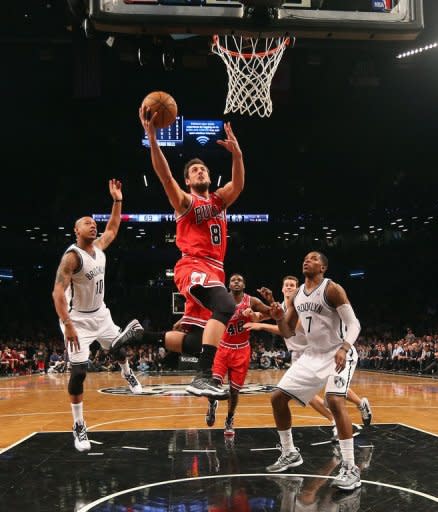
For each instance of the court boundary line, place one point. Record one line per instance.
(25, 438)
(419, 429)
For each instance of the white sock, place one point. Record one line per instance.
(347, 450)
(125, 367)
(286, 441)
(78, 414)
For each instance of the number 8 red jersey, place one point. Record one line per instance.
(201, 231)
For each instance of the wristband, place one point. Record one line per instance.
(118, 200)
(66, 321)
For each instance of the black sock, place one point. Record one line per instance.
(230, 416)
(206, 359)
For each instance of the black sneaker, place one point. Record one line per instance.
(206, 386)
(133, 330)
(210, 417)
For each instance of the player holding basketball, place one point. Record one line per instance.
(78, 296)
(323, 309)
(201, 235)
(234, 352)
(297, 343)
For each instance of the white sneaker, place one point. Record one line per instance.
(365, 411)
(133, 383)
(82, 444)
(286, 461)
(348, 477)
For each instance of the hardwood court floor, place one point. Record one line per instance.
(40, 404)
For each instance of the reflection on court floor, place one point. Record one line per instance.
(201, 471)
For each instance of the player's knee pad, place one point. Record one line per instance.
(223, 308)
(217, 300)
(77, 377)
(192, 342)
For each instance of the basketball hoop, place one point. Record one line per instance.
(251, 64)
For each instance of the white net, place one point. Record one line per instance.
(251, 64)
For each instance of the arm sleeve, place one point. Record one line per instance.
(346, 313)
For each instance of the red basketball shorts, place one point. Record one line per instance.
(233, 362)
(191, 272)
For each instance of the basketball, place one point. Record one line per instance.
(165, 106)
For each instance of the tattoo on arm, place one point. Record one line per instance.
(65, 270)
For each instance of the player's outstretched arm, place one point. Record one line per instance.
(113, 224)
(179, 199)
(260, 326)
(231, 191)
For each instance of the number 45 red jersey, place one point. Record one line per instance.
(201, 231)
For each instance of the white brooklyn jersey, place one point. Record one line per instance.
(87, 283)
(321, 323)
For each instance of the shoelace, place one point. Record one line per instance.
(344, 472)
(81, 432)
(364, 410)
(131, 379)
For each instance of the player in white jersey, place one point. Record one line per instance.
(330, 359)
(297, 343)
(78, 296)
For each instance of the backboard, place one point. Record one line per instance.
(311, 19)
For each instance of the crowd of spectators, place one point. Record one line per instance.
(409, 354)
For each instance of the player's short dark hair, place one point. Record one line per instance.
(192, 162)
(291, 278)
(237, 274)
(323, 259)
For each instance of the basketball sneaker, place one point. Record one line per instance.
(348, 477)
(286, 461)
(210, 417)
(82, 444)
(206, 386)
(133, 383)
(365, 411)
(133, 330)
(229, 427)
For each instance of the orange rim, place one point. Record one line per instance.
(248, 56)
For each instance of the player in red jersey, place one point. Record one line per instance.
(201, 236)
(234, 351)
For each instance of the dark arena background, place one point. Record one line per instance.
(345, 165)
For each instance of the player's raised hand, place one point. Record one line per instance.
(251, 315)
(115, 189)
(230, 143)
(148, 120)
(267, 294)
(276, 311)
